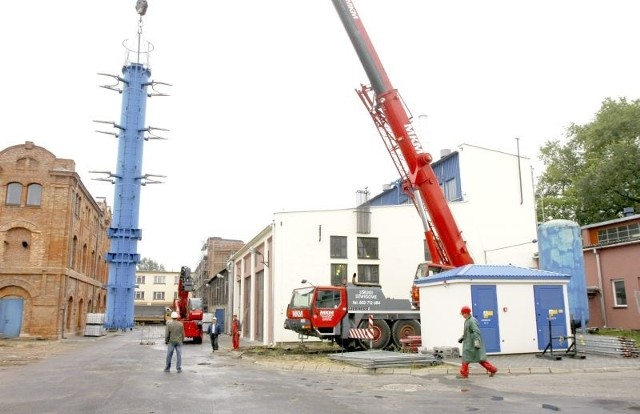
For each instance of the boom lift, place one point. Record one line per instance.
(444, 240)
(189, 309)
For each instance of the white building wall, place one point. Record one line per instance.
(496, 211)
(302, 251)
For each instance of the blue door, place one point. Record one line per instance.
(220, 318)
(551, 317)
(10, 317)
(485, 309)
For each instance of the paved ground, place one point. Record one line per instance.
(122, 372)
(22, 352)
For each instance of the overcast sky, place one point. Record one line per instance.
(263, 116)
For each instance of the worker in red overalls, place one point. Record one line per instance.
(235, 332)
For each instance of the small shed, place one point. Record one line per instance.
(518, 309)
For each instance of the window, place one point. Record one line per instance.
(140, 280)
(619, 294)
(158, 295)
(14, 194)
(76, 205)
(176, 279)
(139, 295)
(34, 194)
(368, 274)
(338, 274)
(338, 247)
(367, 248)
(159, 280)
(328, 299)
(450, 189)
(619, 233)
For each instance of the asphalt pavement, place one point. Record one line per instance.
(122, 372)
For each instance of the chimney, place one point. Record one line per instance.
(627, 211)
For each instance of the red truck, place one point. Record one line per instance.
(190, 310)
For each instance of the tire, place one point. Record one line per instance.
(381, 334)
(348, 344)
(404, 328)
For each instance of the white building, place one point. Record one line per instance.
(492, 199)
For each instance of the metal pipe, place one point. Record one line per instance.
(599, 273)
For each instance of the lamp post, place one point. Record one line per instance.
(506, 247)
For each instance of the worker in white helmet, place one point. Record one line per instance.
(174, 337)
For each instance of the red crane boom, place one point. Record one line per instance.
(444, 240)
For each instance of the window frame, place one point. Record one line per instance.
(617, 297)
(338, 247)
(34, 198)
(369, 273)
(339, 273)
(12, 188)
(158, 295)
(365, 248)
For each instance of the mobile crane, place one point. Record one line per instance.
(189, 309)
(340, 312)
(357, 315)
(444, 240)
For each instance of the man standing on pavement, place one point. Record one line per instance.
(174, 337)
(473, 349)
(235, 332)
(214, 330)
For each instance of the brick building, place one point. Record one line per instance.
(53, 243)
(210, 277)
(611, 251)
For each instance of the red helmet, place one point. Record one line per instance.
(465, 310)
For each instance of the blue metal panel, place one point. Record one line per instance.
(125, 233)
(485, 309)
(560, 245)
(11, 317)
(220, 318)
(448, 168)
(551, 317)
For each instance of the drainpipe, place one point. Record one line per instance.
(599, 272)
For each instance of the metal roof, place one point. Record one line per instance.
(485, 271)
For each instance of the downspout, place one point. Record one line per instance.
(519, 170)
(599, 273)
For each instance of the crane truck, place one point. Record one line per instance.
(354, 315)
(189, 309)
(346, 319)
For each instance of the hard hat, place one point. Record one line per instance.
(465, 310)
(174, 315)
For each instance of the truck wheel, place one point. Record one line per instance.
(381, 334)
(403, 329)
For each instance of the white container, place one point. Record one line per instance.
(95, 318)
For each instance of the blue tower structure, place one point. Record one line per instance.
(560, 247)
(128, 179)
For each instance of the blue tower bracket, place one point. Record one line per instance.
(125, 233)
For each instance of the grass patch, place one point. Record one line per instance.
(630, 333)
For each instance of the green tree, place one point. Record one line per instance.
(596, 173)
(148, 265)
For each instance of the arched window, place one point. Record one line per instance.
(34, 194)
(14, 194)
